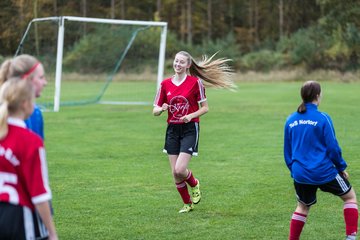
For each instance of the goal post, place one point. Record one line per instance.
(127, 38)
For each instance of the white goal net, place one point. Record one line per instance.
(93, 60)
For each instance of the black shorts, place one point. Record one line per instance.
(306, 193)
(182, 138)
(20, 223)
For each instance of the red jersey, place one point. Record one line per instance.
(182, 99)
(23, 170)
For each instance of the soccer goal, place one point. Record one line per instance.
(95, 60)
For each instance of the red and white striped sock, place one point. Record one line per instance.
(296, 225)
(191, 180)
(351, 216)
(182, 189)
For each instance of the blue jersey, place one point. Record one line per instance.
(35, 122)
(311, 150)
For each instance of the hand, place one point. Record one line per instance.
(345, 174)
(186, 118)
(164, 107)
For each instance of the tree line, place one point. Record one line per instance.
(258, 34)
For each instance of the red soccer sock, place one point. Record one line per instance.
(182, 189)
(351, 216)
(191, 180)
(296, 225)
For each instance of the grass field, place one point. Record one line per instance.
(110, 179)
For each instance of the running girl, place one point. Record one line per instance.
(183, 97)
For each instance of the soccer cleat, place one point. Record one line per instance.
(187, 208)
(196, 194)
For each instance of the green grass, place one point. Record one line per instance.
(110, 179)
(74, 93)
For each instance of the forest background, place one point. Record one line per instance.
(259, 35)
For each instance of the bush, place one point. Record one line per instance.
(101, 50)
(344, 52)
(226, 47)
(305, 47)
(263, 60)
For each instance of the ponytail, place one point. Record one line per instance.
(301, 108)
(309, 92)
(22, 66)
(4, 113)
(13, 93)
(4, 71)
(217, 73)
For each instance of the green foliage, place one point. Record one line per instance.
(263, 60)
(342, 26)
(344, 53)
(306, 47)
(173, 45)
(100, 50)
(226, 47)
(352, 36)
(339, 51)
(318, 34)
(95, 49)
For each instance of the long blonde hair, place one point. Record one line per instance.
(20, 66)
(216, 73)
(13, 93)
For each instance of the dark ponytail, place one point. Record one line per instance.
(301, 108)
(309, 92)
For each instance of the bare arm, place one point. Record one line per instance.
(45, 214)
(157, 111)
(204, 108)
